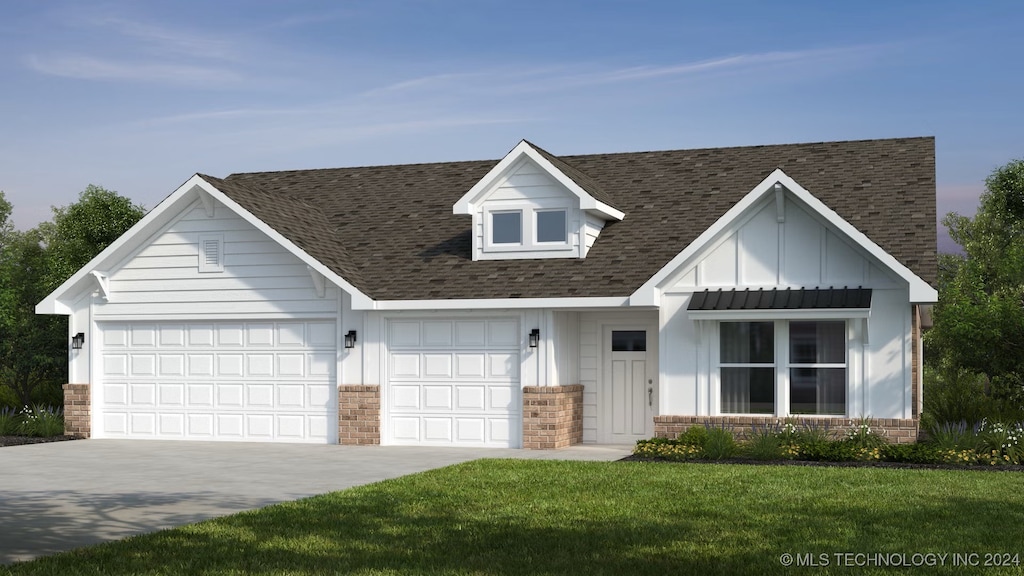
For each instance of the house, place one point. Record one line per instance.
(536, 301)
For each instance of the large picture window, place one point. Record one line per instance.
(817, 368)
(747, 358)
(813, 366)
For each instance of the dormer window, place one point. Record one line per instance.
(507, 227)
(551, 226)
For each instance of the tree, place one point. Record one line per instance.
(34, 348)
(979, 319)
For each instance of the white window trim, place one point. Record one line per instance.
(204, 267)
(489, 229)
(557, 244)
(529, 210)
(782, 366)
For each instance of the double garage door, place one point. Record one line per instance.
(453, 382)
(250, 381)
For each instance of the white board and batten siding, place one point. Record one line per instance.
(453, 381)
(799, 250)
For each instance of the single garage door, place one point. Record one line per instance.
(453, 382)
(250, 381)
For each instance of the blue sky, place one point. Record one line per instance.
(138, 96)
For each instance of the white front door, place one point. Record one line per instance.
(630, 376)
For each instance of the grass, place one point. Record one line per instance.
(506, 517)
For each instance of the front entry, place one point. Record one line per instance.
(630, 383)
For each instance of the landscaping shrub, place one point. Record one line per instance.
(41, 421)
(720, 444)
(10, 421)
(695, 435)
(1002, 441)
(764, 443)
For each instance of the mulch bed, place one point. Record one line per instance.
(904, 465)
(21, 440)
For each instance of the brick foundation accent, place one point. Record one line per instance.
(359, 414)
(552, 416)
(895, 430)
(77, 413)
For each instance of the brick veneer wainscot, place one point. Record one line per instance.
(77, 416)
(552, 416)
(359, 414)
(895, 430)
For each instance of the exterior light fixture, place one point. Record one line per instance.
(534, 337)
(350, 339)
(77, 341)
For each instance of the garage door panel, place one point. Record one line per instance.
(260, 395)
(172, 336)
(321, 335)
(229, 395)
(230, 365)
(291, 335)
(320, 396)
(143, 394)
(200, 364)
(200, 425)
(200, 395)
(171, 425)
(260, 426)
(260, 334)
(437, 429)
(291, 365)
(142, 423)
(290, 396)
(200, 335)
(171, 365)
(290, 425)
(143, 364)
(115, 423)
(322, 364)
(259, 365)
(143, 336)
(453, 381)
(470, 397)
(230, 335)
(115, 336)
(437, 397)
(172, 394)
(116, 394)
(229, 425)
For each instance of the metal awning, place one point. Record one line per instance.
(784, 299)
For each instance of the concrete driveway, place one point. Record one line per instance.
(63, 495)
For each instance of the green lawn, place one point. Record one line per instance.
(542, 517)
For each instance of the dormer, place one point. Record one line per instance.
(534, 205)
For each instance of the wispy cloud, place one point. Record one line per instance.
(171, 41)
(92, 68)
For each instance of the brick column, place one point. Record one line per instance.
(359, 414)
(77, 413)
(552, 416)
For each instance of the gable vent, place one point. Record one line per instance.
(211, 253)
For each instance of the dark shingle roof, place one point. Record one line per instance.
(390, 231)
(801, 298)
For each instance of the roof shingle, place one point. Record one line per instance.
(390, 231)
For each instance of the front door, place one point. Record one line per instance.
(630, 383)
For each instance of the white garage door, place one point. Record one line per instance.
(453, 382)
(251, 381)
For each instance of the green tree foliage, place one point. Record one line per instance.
(34, 348)
(979, 319)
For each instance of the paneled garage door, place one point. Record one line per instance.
(250, 381)
(453, 382)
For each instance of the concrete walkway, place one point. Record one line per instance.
(63, 495)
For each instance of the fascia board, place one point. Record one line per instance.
(496, 303)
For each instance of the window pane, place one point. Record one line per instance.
(747, 342)
(748, 390)
(817, 391)
(629, 340)
(551, 226)
(817, 342)
(507, 227)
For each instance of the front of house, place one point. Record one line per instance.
(536, 301)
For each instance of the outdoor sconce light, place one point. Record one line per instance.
(77, 340)
(534, 337)
(350, 339)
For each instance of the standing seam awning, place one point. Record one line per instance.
(782, 299)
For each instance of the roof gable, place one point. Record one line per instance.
(591, 196)
(778, 182)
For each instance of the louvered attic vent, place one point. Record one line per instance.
(211, 253)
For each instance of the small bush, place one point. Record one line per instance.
(664, 449)
(911, 453)
(41, 421)
(764, 443)
(10, 421)
(864, 437)
(1002, 441)
(955, 435)
(720, 444)
(695, 435)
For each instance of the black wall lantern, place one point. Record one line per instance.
(77, 341)
(350, 339)
(534, 337)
